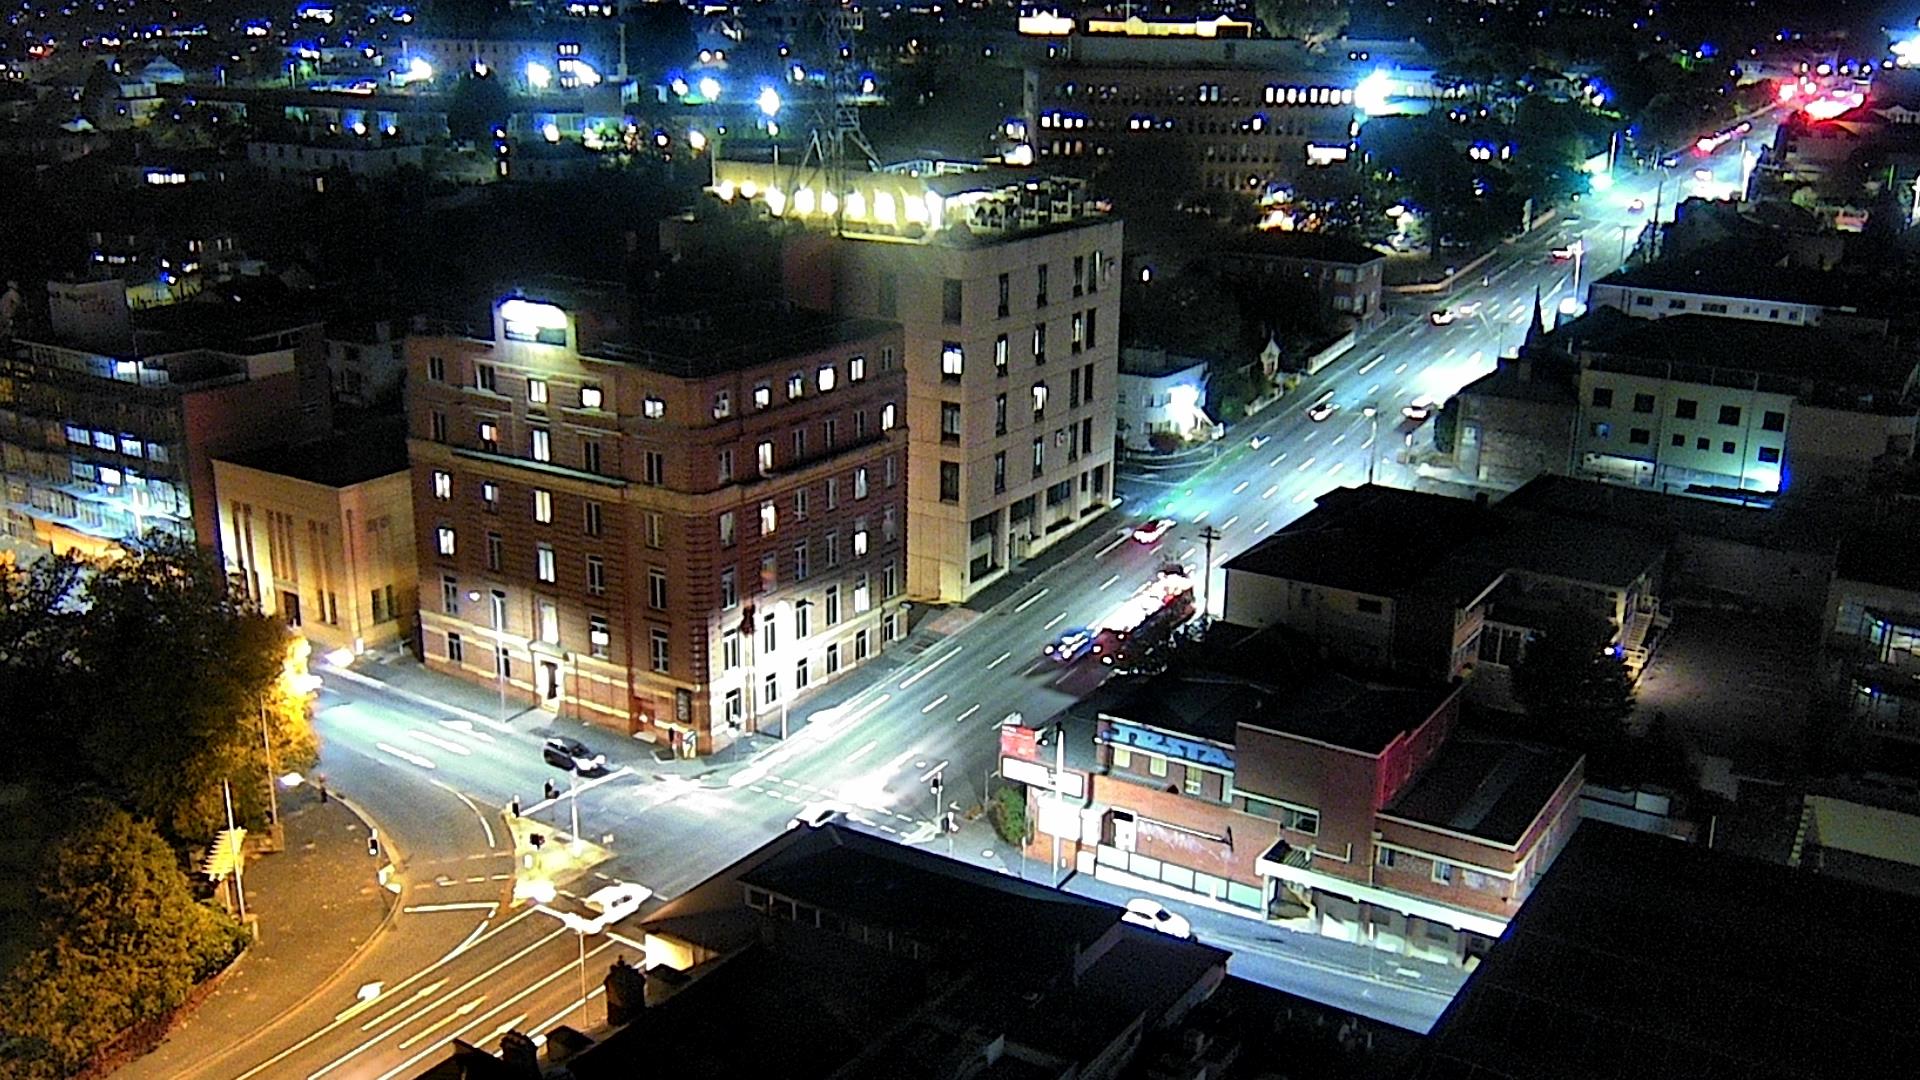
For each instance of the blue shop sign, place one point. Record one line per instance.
(1172, 746)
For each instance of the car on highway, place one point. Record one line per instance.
(1705, 176)
(1321, 410)
(1151, 532)
(1443, 317)
(1670, 161)
(563, 752)
(1071, 645)
(618, 900)
(1258, 441)
(814, 815)
(1154, 916)
(1562, 254)
(1419, 410)
(1637, 206)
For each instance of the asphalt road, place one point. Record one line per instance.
(460, 963)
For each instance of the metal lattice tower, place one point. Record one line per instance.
(836, 118)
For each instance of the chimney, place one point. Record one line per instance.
(521, 1056)
(626, 993)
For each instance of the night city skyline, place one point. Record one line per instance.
(844, 538)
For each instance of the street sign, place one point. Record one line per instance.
(225, 857)
(1034, 774)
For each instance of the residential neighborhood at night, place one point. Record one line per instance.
(1348, 539)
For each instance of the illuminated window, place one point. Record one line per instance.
(769, 518)
(1000, 355)
(660, 649)
(826, 378)
(596, 575)
(543, 562)
(549, 621)
(591, 397)
(599, 640)
(442, 485)
(543, 507)
(489, 435)
(444, 540)
(490, 494)
(763, 456)
(952, 360)
(1040, 343)
(887, 415)
(1039, 400)
(541, 445)
(862, 603)
(537, 391)
(860, 483)
(860, 541)
(856, 368)
(722, 405)
(762, 396)
(726, 528)
(653, 408)
(796, 385)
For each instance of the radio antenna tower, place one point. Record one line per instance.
(836, 121)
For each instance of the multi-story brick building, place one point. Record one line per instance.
(1004, 283)
(1333, 802)
(668, 531)
(1243, 115)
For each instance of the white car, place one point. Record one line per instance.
(814, 815)
(1419, 410)
(1152, 531)
(1258, 441)
(1154, 916)
(1321, 410)
(619, 900)
(1562, 254)
(1637, 206)
(1443, 317)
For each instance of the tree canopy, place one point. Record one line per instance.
(477, 105)
(1571, 682)
(149, 676)
(1312, 21)
(121, 940)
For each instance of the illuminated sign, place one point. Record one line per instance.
(1119, 733)
(528, 320)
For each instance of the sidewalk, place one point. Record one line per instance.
(317, 903)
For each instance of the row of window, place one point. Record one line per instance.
(125, 444)
(1689, 409)
(1202, 93)
(733, 702)
(769, 510)
(1644, 437)
(1716, 307)
(766, 462)
(1089, 271)
(1439, 871)
(1083, 334)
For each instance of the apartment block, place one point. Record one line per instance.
(110, 420)
(669, 527)
(1245, 115)
(321, 534)
(1004, 284)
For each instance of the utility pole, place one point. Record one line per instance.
(1372, 413)
(1208, 534)
(1059, 796)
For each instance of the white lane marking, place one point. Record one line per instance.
(465, 727)
(1276, 461)
(928, 670)
(1374, 389)
(407, 756)
(1201, 516)
(1371, 364)
(860, 753)
(1121, 539)
(464, 1010)
(1401, 369)
(1260, 528)
(867, 709)
(962, 718)
(1030, 601)
(1109, 582)
(928, 775)
(366, 1003)
(1268, 494)
(1368, 443)
(1450, 351)
(1001, 659)
(1055, 621)
(1412, 330)
(1242, 486)
(1302, 497)
(1304, 466)
(474, 905)
(434, 740)
(898, 760)
(1340, 438)
(1337, 466)
(934, 704)
(1187, 554)
(485, 825)
(1228, 524)
(1311, 435)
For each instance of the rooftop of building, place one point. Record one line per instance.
(1544, 380)
(999, 961)
(1485, 787)
(343, 459)
(1153, 362)
(1880, 550)
(1314, 246)
(1745, 270)
(1642, 954)
(1663, 517)
(734, 337)
(1372, 539)
(1273, 680)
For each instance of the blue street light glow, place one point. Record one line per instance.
(769, 101)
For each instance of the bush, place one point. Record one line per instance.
(1009, 814)
(1163, 442)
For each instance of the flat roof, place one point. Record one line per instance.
(1370, 539)
(1645, 956)
(731, 338)
(1748, 270)
(1485, 787)
(1881, 551)
(1546, 379)
(1320, 247)
(339, 460)
(1813, 353)
(1664, 516)
(1333, 707)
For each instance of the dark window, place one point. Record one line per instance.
(1639, 436)
(1006, 288)
(1701, 443)
(1602, 397)
(1679, 439)
(1369, 606)
(1726, 447)
(950, 300)
(1770, 455)
(1643, 403)
(1730, 415)
(949, 421)
(1686, 409)
(1773, 421)
(950, 481)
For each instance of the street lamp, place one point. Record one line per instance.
(1372, 413)
(709, 88)
(769, 102)
(498, 616)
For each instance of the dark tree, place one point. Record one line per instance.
(1572, 683)
(1311, 21)
(478, 105)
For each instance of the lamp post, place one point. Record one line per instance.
(1372, 413)
(497, 615)
(769, 104)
